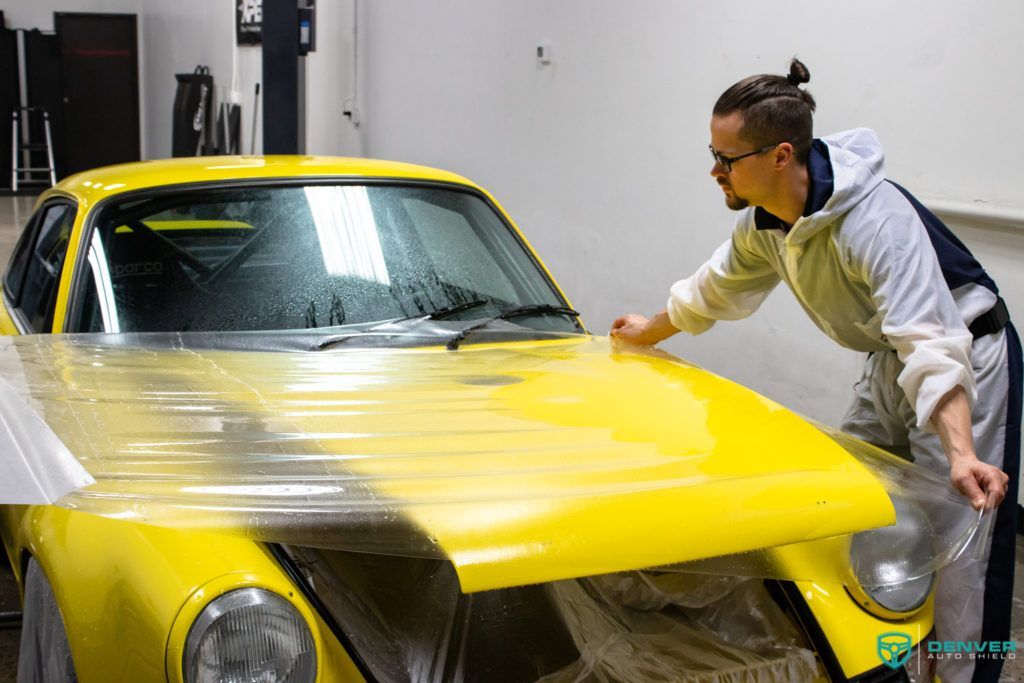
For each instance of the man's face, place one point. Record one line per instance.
(747, 181)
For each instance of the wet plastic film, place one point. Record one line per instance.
(935, 526)
(546, 456)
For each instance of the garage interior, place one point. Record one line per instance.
(588, 121)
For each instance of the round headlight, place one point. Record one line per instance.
(889, 562)
(247, 635)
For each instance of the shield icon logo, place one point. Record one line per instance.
(894, 648)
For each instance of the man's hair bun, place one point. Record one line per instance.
(798, 73)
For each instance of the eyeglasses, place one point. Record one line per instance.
(727, 162)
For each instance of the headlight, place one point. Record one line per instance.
(883, 561)
(249, 635)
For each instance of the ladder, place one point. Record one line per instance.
(24, 149)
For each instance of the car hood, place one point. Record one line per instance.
(520, 462)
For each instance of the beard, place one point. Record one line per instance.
(733, 201)
(736, 203)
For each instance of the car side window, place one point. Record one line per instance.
(43, 265)
(19, 259)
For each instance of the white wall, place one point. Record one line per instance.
(330, 82)
(601, 157)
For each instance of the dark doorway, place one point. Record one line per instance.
(99, 68)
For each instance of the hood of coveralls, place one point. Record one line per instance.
(857, 167)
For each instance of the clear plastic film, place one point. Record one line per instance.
(935, 526)
(36, 466)
(407, 620)
(546, 456)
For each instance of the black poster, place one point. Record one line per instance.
(249, 22)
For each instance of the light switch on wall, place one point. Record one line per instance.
(544, 53)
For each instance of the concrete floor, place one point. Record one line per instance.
(14, 212)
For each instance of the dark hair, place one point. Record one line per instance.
(774, 109)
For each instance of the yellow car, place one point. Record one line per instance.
(343, 425)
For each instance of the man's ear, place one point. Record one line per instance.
(784, 154)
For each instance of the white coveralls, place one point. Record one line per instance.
(878, 273)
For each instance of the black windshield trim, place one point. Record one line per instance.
(519, 311)
(430, 315)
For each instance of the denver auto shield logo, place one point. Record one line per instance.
(894, 648)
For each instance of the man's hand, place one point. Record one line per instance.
(636, 329)
(979, 481)
(630, 328)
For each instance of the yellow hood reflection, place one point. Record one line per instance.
(521, 462)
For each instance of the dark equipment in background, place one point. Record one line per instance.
(288, 34)
(9, 99)
(193, 108)
(307, 29)
(281, 90)
(31, 102)
(255, 112)
(229, 125)
(44, 90)
(25, 171)
(195, 129)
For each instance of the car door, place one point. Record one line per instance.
(32, 279)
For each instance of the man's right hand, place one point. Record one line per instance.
(636, 329)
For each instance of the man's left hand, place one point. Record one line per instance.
(985, 485)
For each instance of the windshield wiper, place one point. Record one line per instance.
(433, 315)
(532, 309)
(451, 310)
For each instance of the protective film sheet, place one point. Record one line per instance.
(36, 466)
(542, 457)
(935, 526)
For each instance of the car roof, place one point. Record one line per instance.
(97, 184)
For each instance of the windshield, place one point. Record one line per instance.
(287, 258)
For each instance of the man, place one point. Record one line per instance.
(878, 273)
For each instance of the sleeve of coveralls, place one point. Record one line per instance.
(730, 286)
(918, 315)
